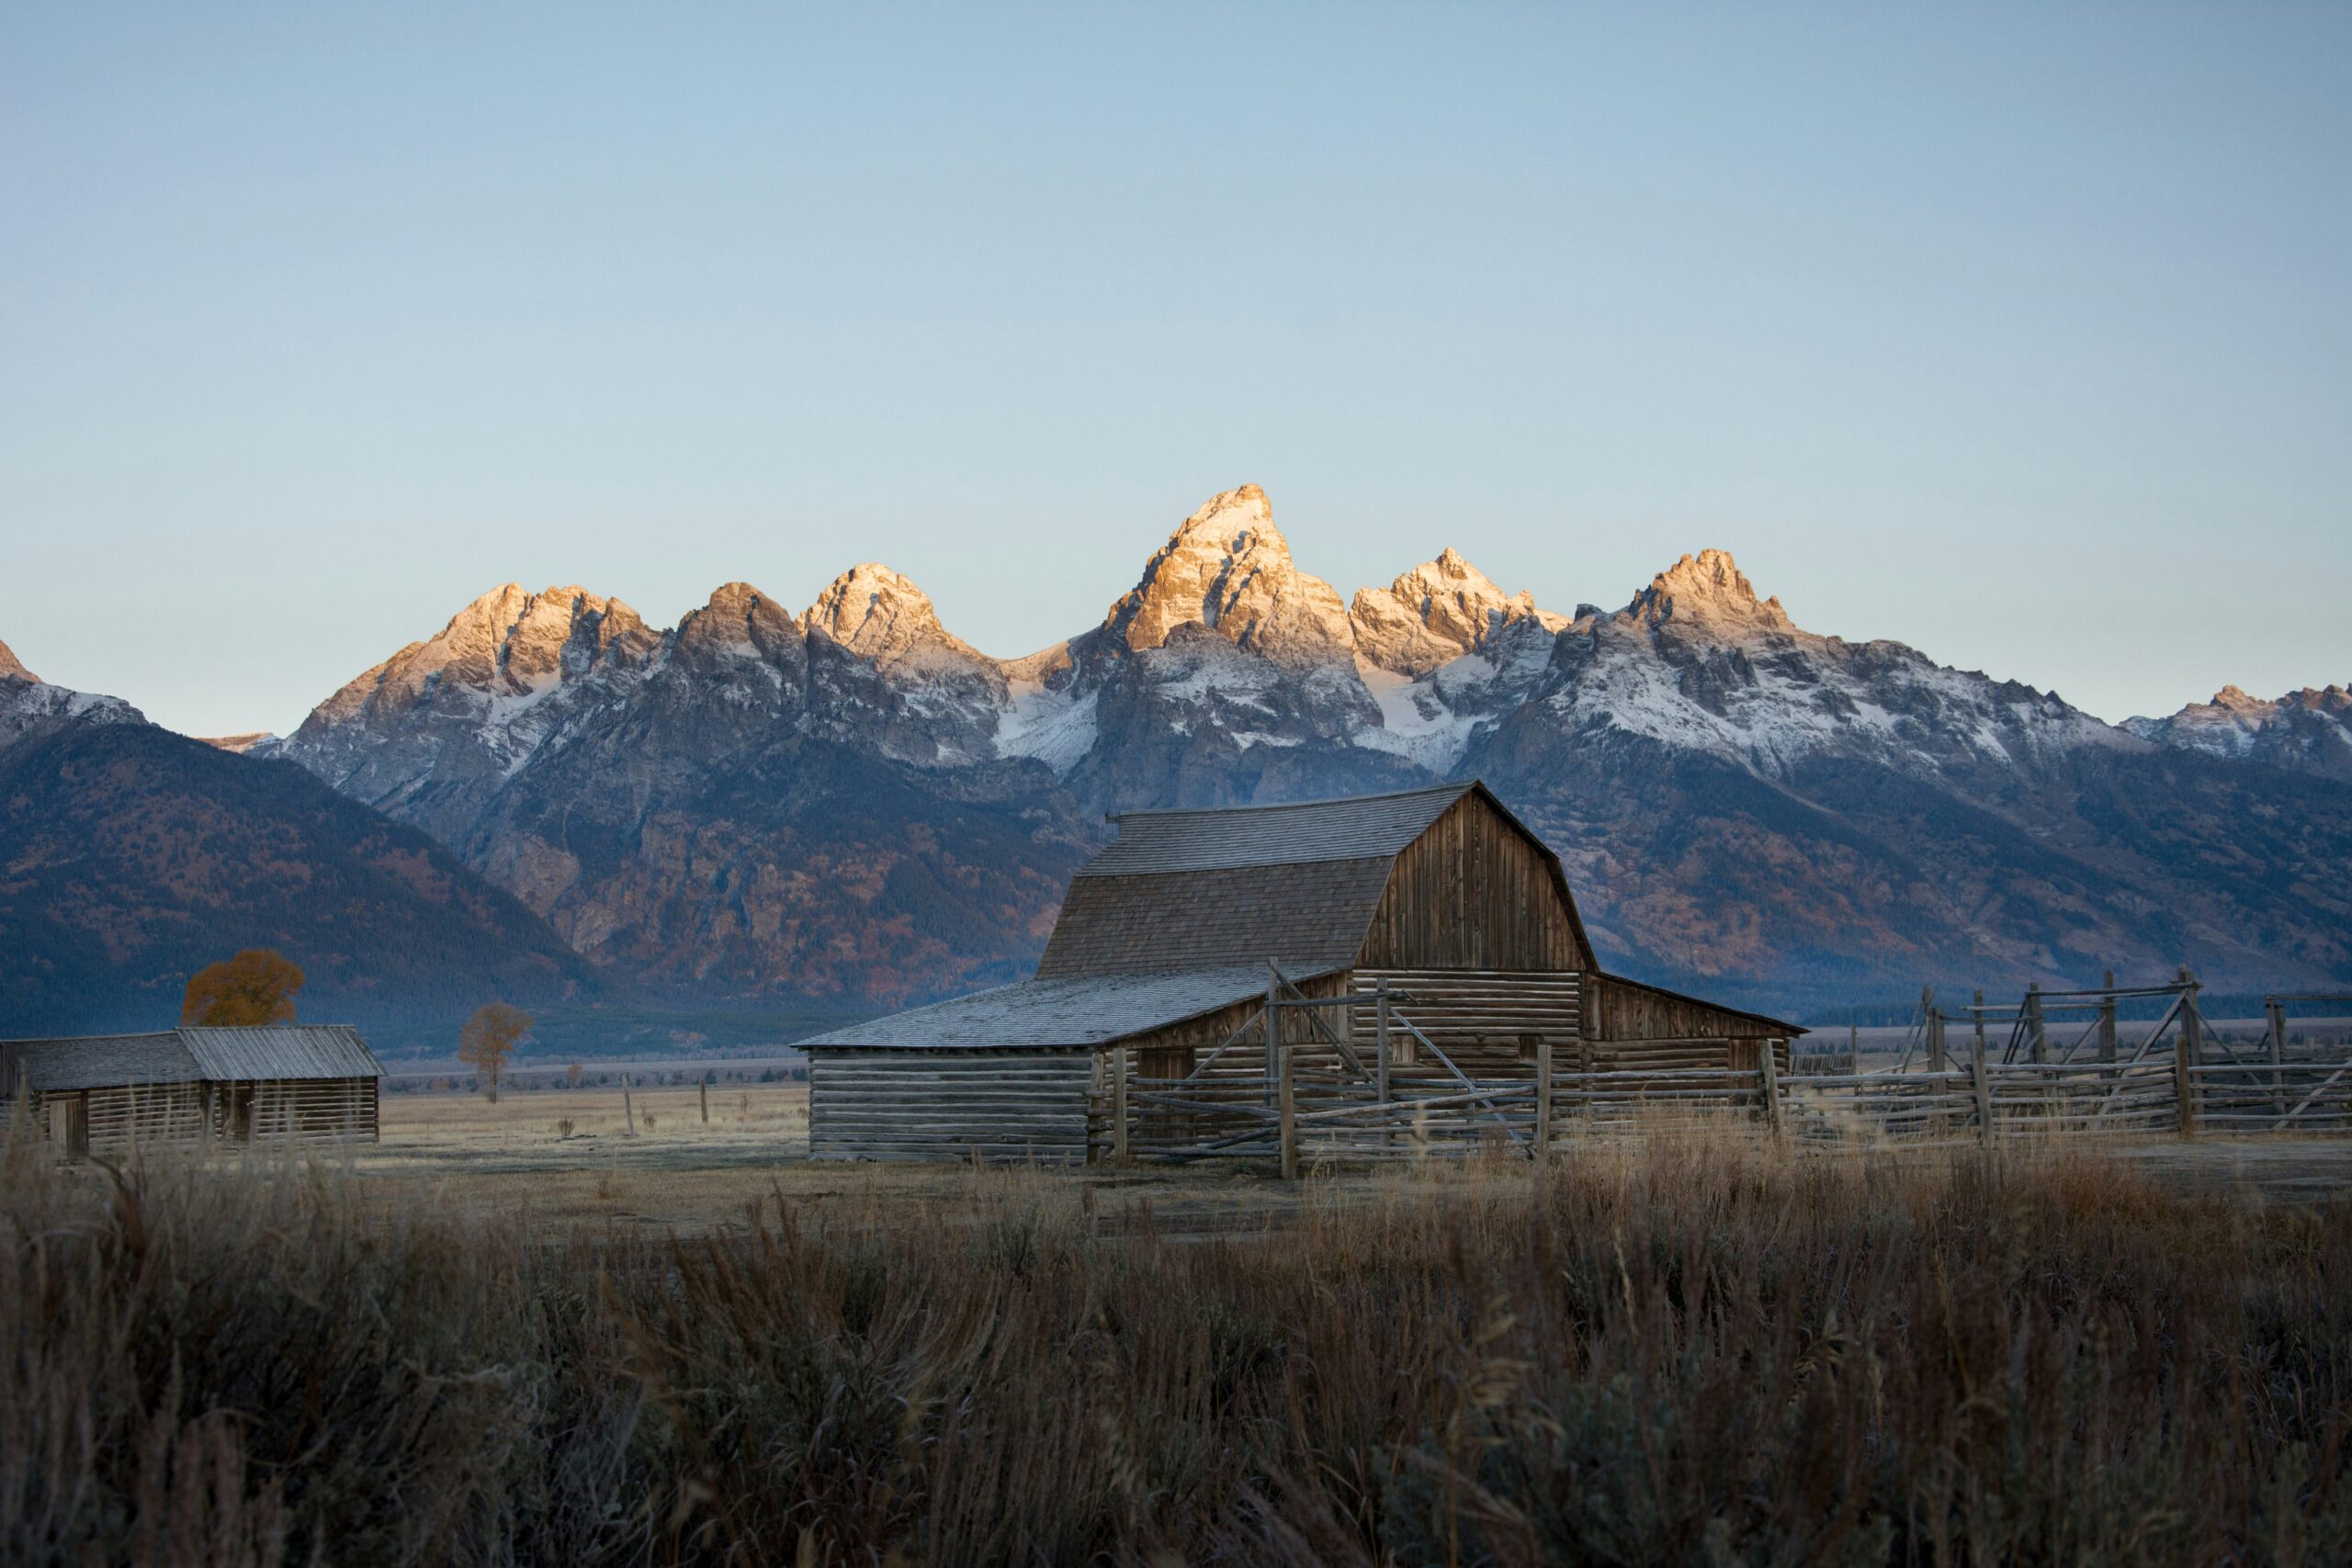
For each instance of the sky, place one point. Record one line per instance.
(2021, 334)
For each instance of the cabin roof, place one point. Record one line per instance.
(188, 1055)
(1075, 1011)
(96, 1061)
(283, 1050)
(1358, 828)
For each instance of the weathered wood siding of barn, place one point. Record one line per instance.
(1618, 1008)
(945, 1104)
(1629, 1025)
(1474, 893)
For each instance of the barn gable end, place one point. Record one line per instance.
(1476, 890)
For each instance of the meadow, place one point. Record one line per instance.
(1698, 1348)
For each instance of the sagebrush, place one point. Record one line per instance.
(1691, 1352)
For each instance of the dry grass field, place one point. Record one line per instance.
(482, 1343)
(565, 1155)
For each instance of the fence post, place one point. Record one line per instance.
(2037, 1038)
(2278, 1011)
(1769, 1070)
(1982, 1085)
(1542, 1097)
(1290, 1120)
(1274, 1026)
(1119, 1150)
(706, 1102)
(2192, 1022)
(627, 1110)
(1939, 1059)
(2188, 1054)
(2107, 1020)
(1380, 1051)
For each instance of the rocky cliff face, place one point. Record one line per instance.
(2308, 732)
(856, 804)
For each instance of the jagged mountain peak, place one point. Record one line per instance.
(738, 620)
(508, 643)
(1436, 613)
(881, 616)
(1707, 589)
(1230, 517)
(513, 641)
(12, 668)
(1228, 568)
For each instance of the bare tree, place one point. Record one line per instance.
(488, 1038)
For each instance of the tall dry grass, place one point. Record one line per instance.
(1700, 1353)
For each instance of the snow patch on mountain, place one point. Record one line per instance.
(1696, 662)
(1415, 721)
(2308, 732)
(27, 702)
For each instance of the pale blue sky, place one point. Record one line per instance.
(2024, 336)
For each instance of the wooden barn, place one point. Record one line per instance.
(1436, 904)
(300, 1083)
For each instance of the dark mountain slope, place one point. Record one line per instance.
(131, 856)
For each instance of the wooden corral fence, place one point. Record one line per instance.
(1319, 1099)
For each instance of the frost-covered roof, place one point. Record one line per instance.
(1357, 828)
(283, 1050)
(96, 1061)
(188, 1056)
(1075, 1013)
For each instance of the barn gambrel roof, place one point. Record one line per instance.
(1297, 881)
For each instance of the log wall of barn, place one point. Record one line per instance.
(1172, 1052)
(924, 1104)
(1473, 893)
(1488, 1023)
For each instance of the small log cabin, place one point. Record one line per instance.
(299, 1083)
(1439, 899)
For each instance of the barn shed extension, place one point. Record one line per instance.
(304, 1083)
(1433, 906)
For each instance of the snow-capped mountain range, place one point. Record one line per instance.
(851, 803)
(1223, 642)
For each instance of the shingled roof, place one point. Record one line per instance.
(1358, 828)
(188, 1056)
(1076, 1012)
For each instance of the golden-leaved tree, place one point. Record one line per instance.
(257, 986)
(488, 1038)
